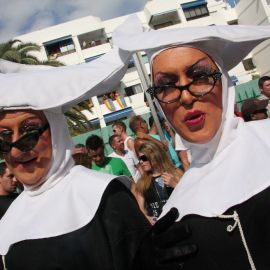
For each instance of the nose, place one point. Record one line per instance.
(186, 98)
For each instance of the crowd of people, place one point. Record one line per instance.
(191, 201)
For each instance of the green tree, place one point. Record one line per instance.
(19, 52)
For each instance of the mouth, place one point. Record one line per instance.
(194, 118)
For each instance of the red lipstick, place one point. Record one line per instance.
(194, 118)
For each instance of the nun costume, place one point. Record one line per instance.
(225, 195)
(70, 217)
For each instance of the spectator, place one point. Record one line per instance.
(115, 166)
(156, 184)
(117, 145)
(79, 148)
(82, 159)
(139, 126)
(154, 133)
(8, 184)
(119, 128)
(264, 85)
(254, 109)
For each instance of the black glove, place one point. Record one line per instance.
(163, 248)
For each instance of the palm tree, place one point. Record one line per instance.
(77, 121)
(19, 52)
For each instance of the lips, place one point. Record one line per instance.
(194, 118)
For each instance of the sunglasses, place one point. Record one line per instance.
(26, 143)
(143, 158)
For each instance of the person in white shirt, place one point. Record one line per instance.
(130, 160)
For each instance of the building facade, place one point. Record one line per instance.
(86, 39)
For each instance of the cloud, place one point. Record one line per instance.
(18, 17)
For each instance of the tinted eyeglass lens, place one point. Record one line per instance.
(143, 158)
(28, 141)
(167, 94)
(202, 85)
(5, 146)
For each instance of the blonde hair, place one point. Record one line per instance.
(158, 159)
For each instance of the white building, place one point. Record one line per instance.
(85, 39)
(256, 12)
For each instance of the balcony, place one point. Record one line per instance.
(59, 47)
(160, 13)
(93, 39)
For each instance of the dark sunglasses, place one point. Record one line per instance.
(143, 158)
(26, 143)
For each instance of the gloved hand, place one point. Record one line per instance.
(162, 248)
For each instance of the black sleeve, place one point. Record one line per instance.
(124, 223)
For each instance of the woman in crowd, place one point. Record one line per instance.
(158, 181)
(225, 196)
(67, 217)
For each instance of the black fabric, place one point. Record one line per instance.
(5, 202)
(108, 242)
(219, 249)
(156, 196)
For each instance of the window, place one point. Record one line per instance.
(59, 47)
(248, 64)
(92, 39)
(134, 89)
(162, 25)
(194, 11)
(89, 59)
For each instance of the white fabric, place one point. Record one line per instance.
(63, 87)
(11, 67)
(66, 201)
(233, 166)
(226, 40)
(179, 146)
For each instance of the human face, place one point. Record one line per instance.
(259, 115)
(144, 125)
(32, 166)
(144, 162)
(118, 144)
(117, 130)
(8, 182)
(196, 119)
(266, 88)
(97, 156)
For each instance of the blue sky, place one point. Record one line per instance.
(23, 16)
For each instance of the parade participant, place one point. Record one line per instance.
(68, 217)
(225, 194)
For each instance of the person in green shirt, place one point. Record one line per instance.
(102, 163)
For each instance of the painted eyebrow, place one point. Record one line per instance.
(160, 77)
(196, 63)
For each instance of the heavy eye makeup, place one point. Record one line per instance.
(200, 68)
(30, 124)
(165, 79)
